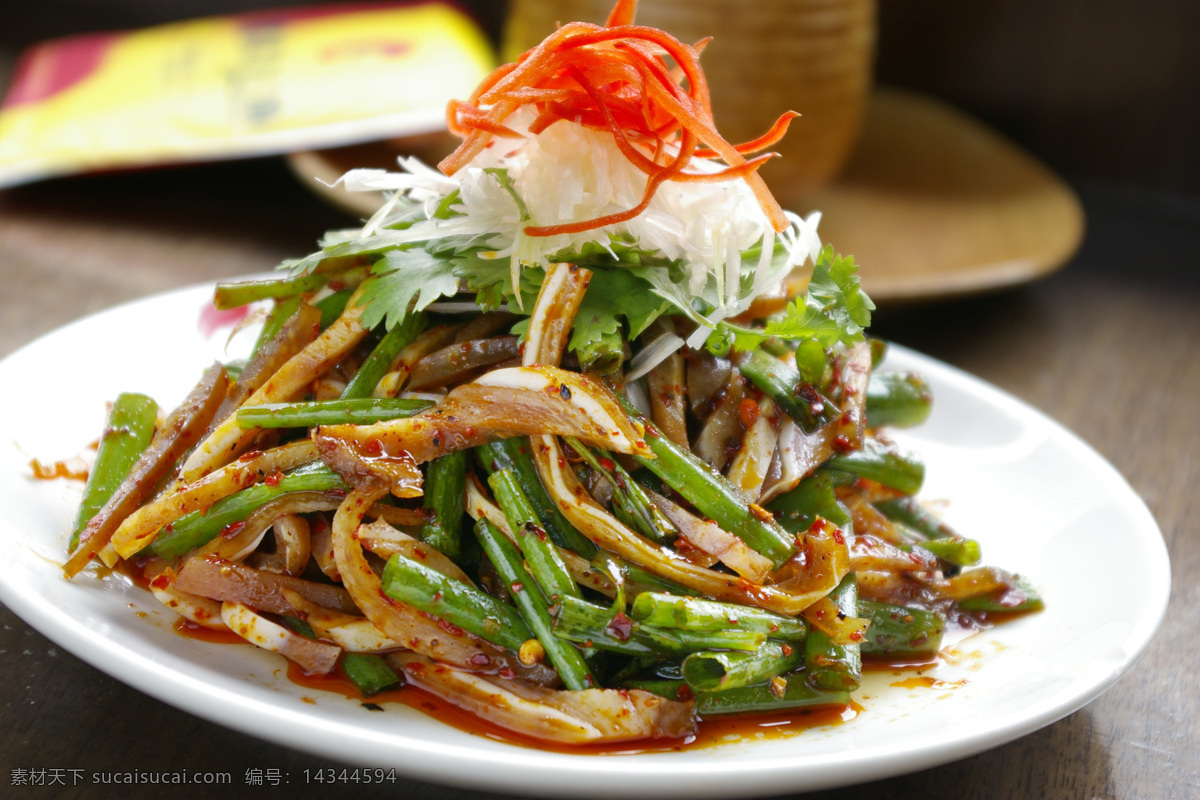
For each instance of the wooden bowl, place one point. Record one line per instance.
(810, 56)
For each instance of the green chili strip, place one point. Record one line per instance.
(198, 528)
(126, 436)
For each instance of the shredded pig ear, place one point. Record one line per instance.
(584, 716)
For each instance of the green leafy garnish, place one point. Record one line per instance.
(834, 309)
(405, 281)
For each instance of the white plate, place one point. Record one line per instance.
(1040, 501)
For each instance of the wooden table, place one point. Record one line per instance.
(1107, 347)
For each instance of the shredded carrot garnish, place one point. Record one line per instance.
(640, 84)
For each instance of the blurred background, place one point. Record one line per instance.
(1098, 89)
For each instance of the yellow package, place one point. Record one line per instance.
(237, 86)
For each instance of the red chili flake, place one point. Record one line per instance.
(233, 529)
(748, 412)
(373, 447)
(786, 648)
(250, 455)
(161, 581)
(761, 514)
(507, 673)
(273, 479)
(842, 444)
(608, 464)
(516, 587)
(619, 627)
(337, 286)
(449, 627)
(684, 694)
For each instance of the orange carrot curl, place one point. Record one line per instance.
(618, 78)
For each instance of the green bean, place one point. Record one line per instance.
(283, 310)
(879, 350)
(940, 538)
(1021, 597)
(541, 555)
(883, 462)
(782, 382)
(900, 632)
(376, 365)
(698, 614)
(630, 502)
(363, 411)
(514, 453)
(332, 306)
(901, 400)
(530, 601)
(596, 626)
(240, 293)
(639, 580)
(714, 670)
(955, 550)
(762, 698)
(604, 354)
(200, 527)
(455, 602)
(831, 666)
(126, 436)
(369, 672)
(445, 486)
(813, 497)
(709, 491)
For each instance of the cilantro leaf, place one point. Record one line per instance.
(403, 279)
(491, 278)
(835, 293)
(835, 309)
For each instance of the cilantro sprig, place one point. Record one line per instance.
(631, 286)
(834, 309)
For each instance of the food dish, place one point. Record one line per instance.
(980, 444)
(664, 497)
